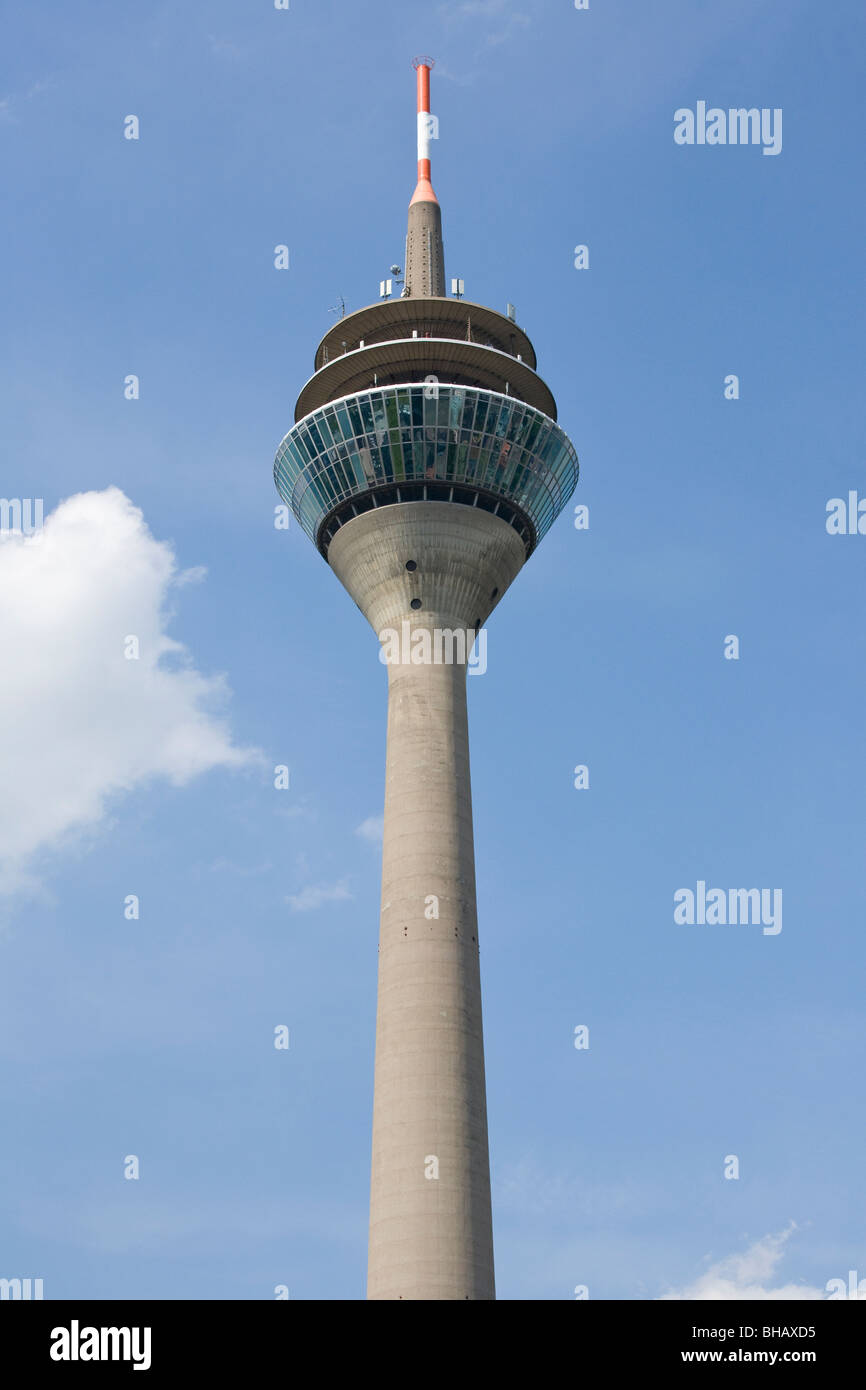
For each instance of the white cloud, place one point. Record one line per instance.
(194, 575)
(313, 896)
(500, 17)
(372, 829)
(747, 1276)
(79, 723)
(225, 48)
(9, 103)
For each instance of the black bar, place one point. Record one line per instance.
(223, 1339)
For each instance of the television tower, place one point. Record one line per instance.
(425, 463)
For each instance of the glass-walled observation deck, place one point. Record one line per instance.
(440, 442)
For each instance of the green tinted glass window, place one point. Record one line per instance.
(455, 434)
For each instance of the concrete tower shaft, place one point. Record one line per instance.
(434, 564)
(430, 1214)
(425, 252)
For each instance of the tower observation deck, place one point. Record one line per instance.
(426, 464)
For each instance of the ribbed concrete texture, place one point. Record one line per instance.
(430, 1221)
(425, 253)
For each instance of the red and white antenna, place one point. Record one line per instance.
(428, 129)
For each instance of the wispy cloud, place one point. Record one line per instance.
(196, 574)
(464, 79)
(315, 895)
(372, 829)
(501, 17)
(528, 1188)
(13, 100)
(225, 48)
(748, 1275)
(242, 870)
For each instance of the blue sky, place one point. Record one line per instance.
(259, 907)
